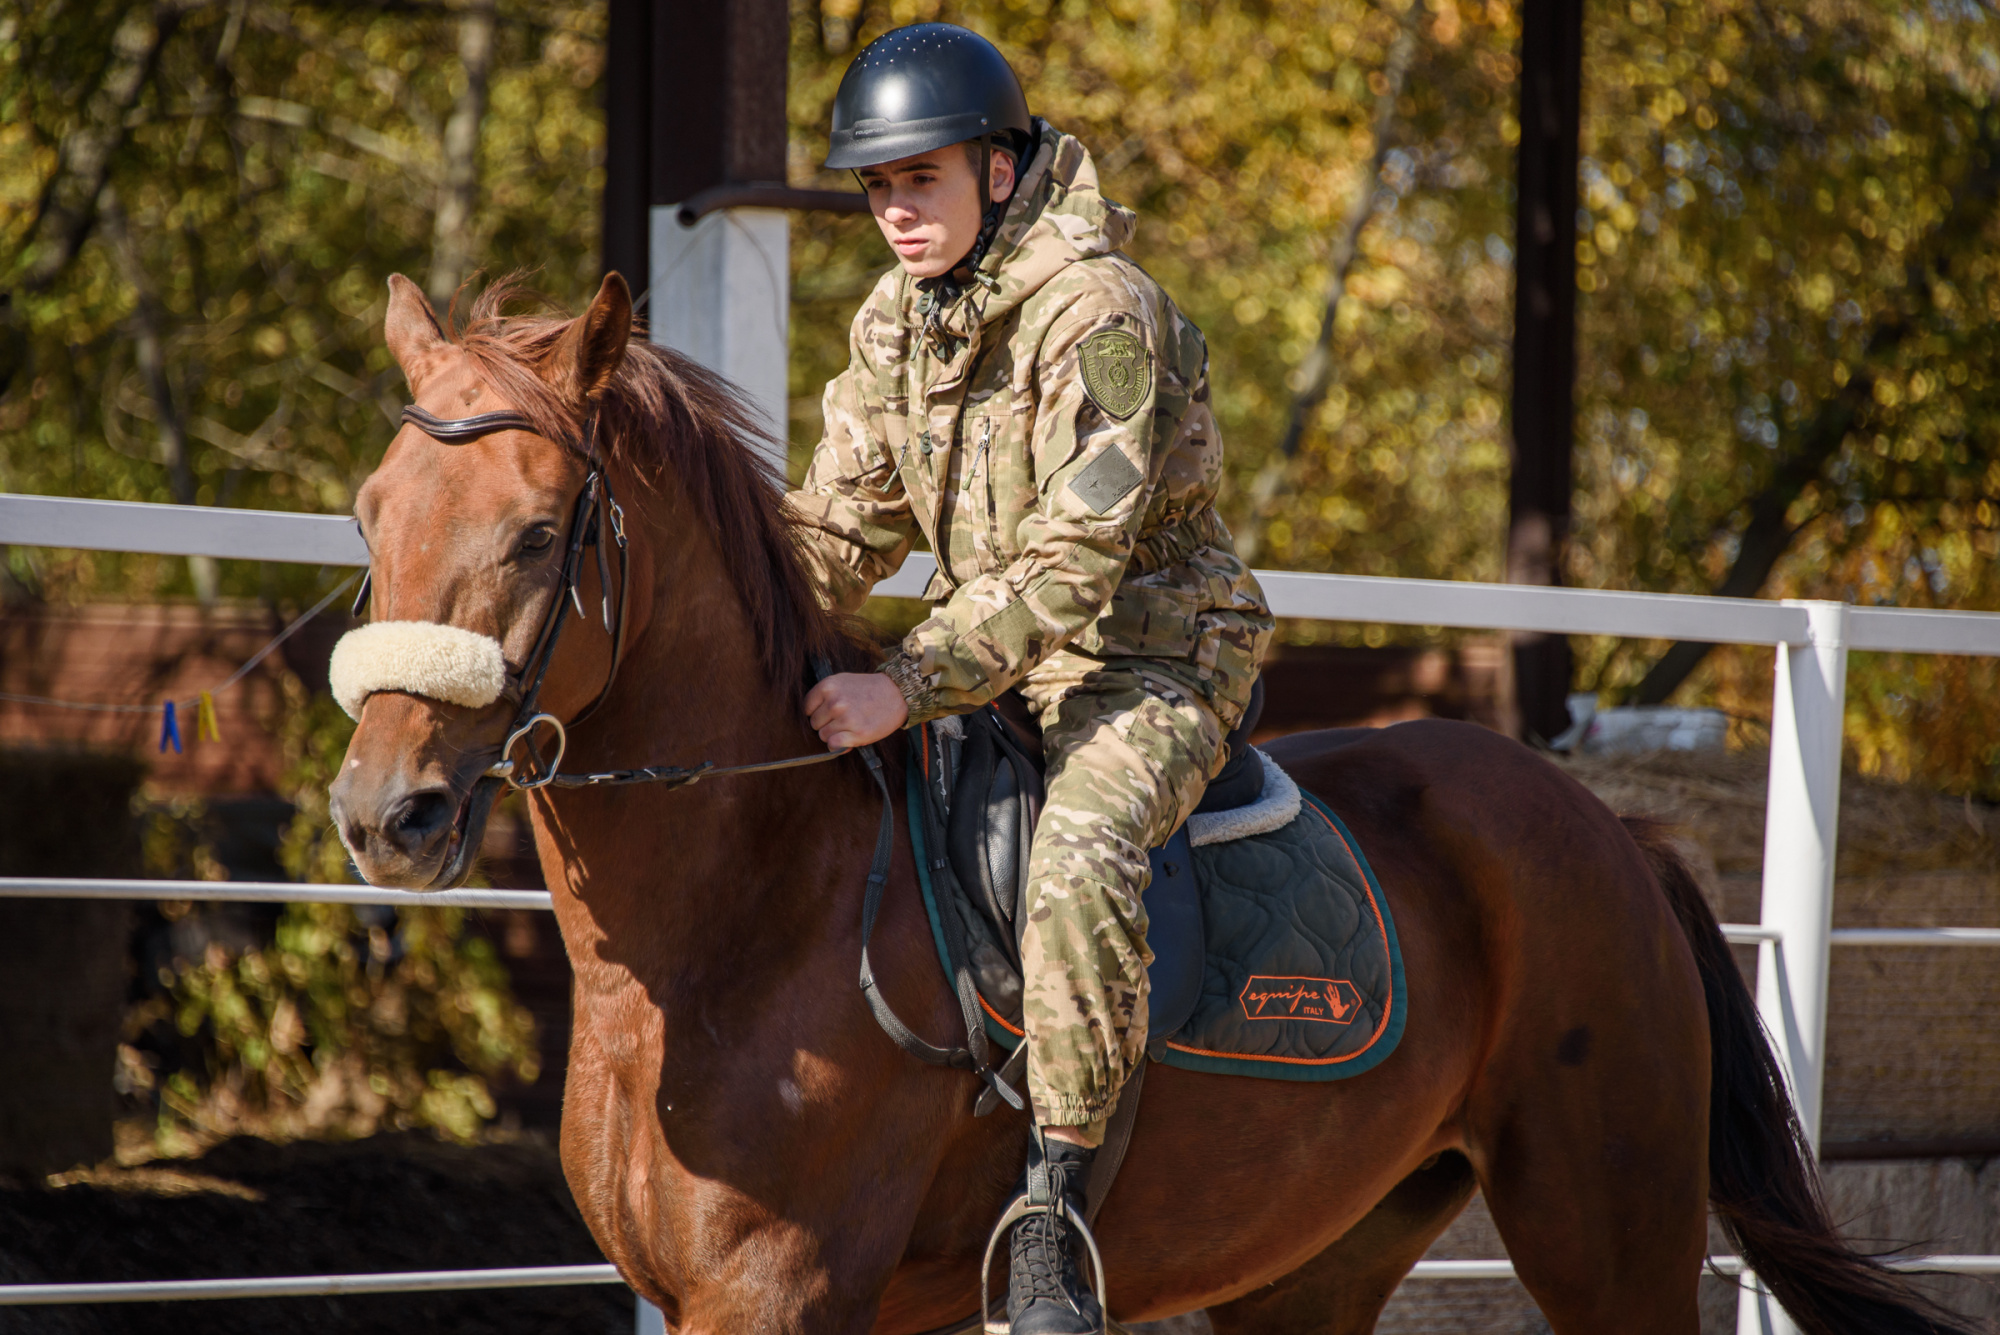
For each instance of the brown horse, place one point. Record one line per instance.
(757, 1156)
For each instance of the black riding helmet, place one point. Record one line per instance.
(922, 88)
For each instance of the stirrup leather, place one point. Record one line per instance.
(1020, 1209)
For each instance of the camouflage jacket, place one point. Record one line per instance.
(1049, 434)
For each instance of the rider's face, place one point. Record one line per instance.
(928, 205)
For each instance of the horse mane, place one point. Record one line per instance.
(662, 411)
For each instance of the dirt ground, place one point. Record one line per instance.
(248, 1207)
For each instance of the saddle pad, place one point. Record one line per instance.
(1302, 978)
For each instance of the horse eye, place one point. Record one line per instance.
(538, 538)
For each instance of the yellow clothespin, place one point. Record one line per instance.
(205, 728)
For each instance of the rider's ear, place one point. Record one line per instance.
(1001, 187)
(593, 347)
(411, 329)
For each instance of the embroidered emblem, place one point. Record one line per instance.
(1327, 1000)
(1117, 371)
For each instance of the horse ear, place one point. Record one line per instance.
(593, 348)
(411, 329)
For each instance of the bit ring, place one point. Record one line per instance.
(504, 768)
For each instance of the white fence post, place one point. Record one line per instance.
(721, 293)
(1801, 832)
(648, 1319)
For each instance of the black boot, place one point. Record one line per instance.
(1046, 1295)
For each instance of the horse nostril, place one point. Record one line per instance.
(418, 819)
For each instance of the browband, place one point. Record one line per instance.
(458, 430)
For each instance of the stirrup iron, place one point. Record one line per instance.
(1020, 1209)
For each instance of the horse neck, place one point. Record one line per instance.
(683, 877)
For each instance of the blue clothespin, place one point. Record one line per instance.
(170, 730)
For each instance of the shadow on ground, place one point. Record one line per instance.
(249, 1207)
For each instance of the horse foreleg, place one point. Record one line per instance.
(1342, 1290)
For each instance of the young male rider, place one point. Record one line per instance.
(1026, 397)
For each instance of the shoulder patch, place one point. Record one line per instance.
(1117, 371)
(1106, 480)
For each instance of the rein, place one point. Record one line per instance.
(595, 508)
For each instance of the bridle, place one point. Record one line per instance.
(597, 522)
(595, 512)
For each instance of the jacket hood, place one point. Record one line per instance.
(1058, 216)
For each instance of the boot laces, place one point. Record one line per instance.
(1043, 1264)
(1042, 1248)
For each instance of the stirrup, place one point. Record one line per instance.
(1019, 1210)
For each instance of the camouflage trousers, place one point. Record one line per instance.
(1130, 751)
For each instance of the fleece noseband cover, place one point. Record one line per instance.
(459, 667)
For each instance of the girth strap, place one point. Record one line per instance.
(1117, 1140)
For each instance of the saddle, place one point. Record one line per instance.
(983, 796)
(1274, 949)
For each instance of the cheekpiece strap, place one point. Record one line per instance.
(458, 430)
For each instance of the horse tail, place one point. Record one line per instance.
(1761, 1177)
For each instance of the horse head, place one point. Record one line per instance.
(474, 540)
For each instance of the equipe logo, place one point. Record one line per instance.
(1326, 1000)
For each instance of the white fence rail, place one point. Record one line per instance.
(556, 1276)
(292, 892)
(180, 530)
(264, 535)
(1812, 641)
(308, 1286)
(267, 892)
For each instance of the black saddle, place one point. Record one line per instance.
(983, 795)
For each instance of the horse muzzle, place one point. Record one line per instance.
(407, 804)
(412, 835)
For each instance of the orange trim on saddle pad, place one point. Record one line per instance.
(998, 1018)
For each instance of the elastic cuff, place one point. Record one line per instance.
(1072, 1110)
(917, 693)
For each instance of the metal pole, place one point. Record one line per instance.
(1801, 832)
(648, 1320)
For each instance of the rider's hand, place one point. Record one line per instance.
(855, 708)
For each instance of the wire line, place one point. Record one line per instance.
(238, 675)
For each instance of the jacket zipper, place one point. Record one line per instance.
(992, 513)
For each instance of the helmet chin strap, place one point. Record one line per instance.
(989, 217)
(947, 287)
